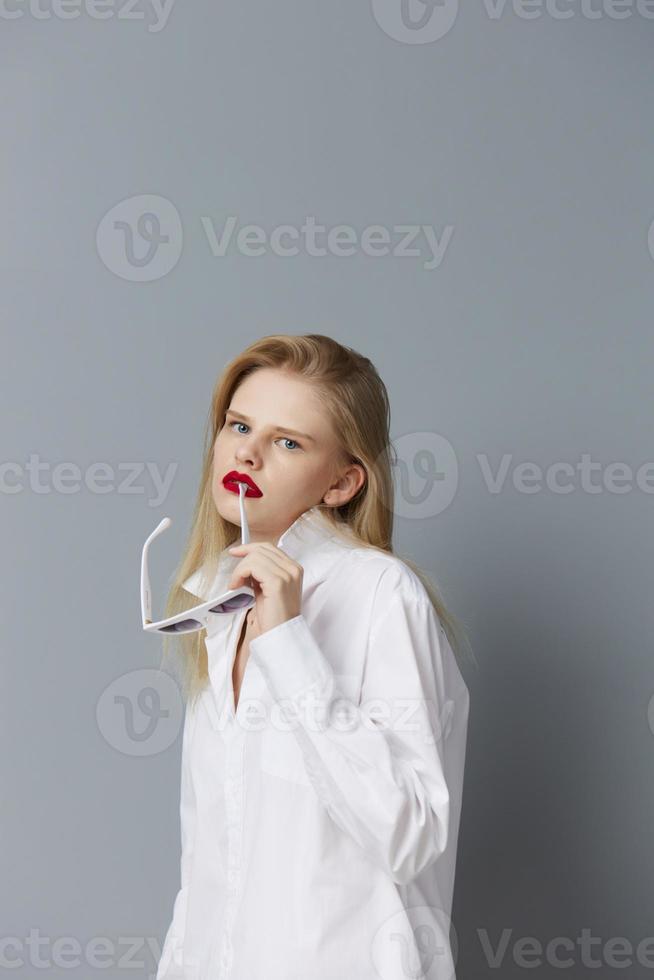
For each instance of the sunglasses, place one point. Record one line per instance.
(198, 617)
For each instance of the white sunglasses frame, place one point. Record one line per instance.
(200, 615)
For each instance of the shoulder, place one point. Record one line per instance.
(386, 575)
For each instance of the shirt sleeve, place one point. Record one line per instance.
(381, 767)
(171, 963)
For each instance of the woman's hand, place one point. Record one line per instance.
(276, 582)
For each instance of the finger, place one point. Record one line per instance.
(264, 568)
(274, 553)
(249, 568)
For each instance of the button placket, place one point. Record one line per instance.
(234, 801)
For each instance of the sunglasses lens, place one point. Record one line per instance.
(184, 626)
(236, 602)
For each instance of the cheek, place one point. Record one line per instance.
(301, 480)
(218, 458)
(219, 445)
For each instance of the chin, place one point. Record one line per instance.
(226, 511)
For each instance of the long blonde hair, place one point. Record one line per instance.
(356, 402)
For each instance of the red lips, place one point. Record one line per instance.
(229, 482)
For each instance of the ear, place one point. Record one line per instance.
(347, 486)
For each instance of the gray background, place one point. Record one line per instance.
(533, 139)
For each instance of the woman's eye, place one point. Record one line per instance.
(292, 440)
(296, 444)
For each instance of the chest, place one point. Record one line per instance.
(241, 658)
(338, 615)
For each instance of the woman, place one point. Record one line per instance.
(325, 729)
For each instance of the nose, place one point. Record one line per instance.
(247, 453)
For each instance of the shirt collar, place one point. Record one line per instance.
(307, 540)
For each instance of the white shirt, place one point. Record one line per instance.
(319, 822)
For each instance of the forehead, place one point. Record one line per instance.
(274, 397)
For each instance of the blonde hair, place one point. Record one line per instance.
(356, 402)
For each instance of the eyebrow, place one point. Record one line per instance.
(277, 428)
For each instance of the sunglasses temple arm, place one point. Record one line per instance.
(146, 597)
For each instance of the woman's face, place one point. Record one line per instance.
(260, 439)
